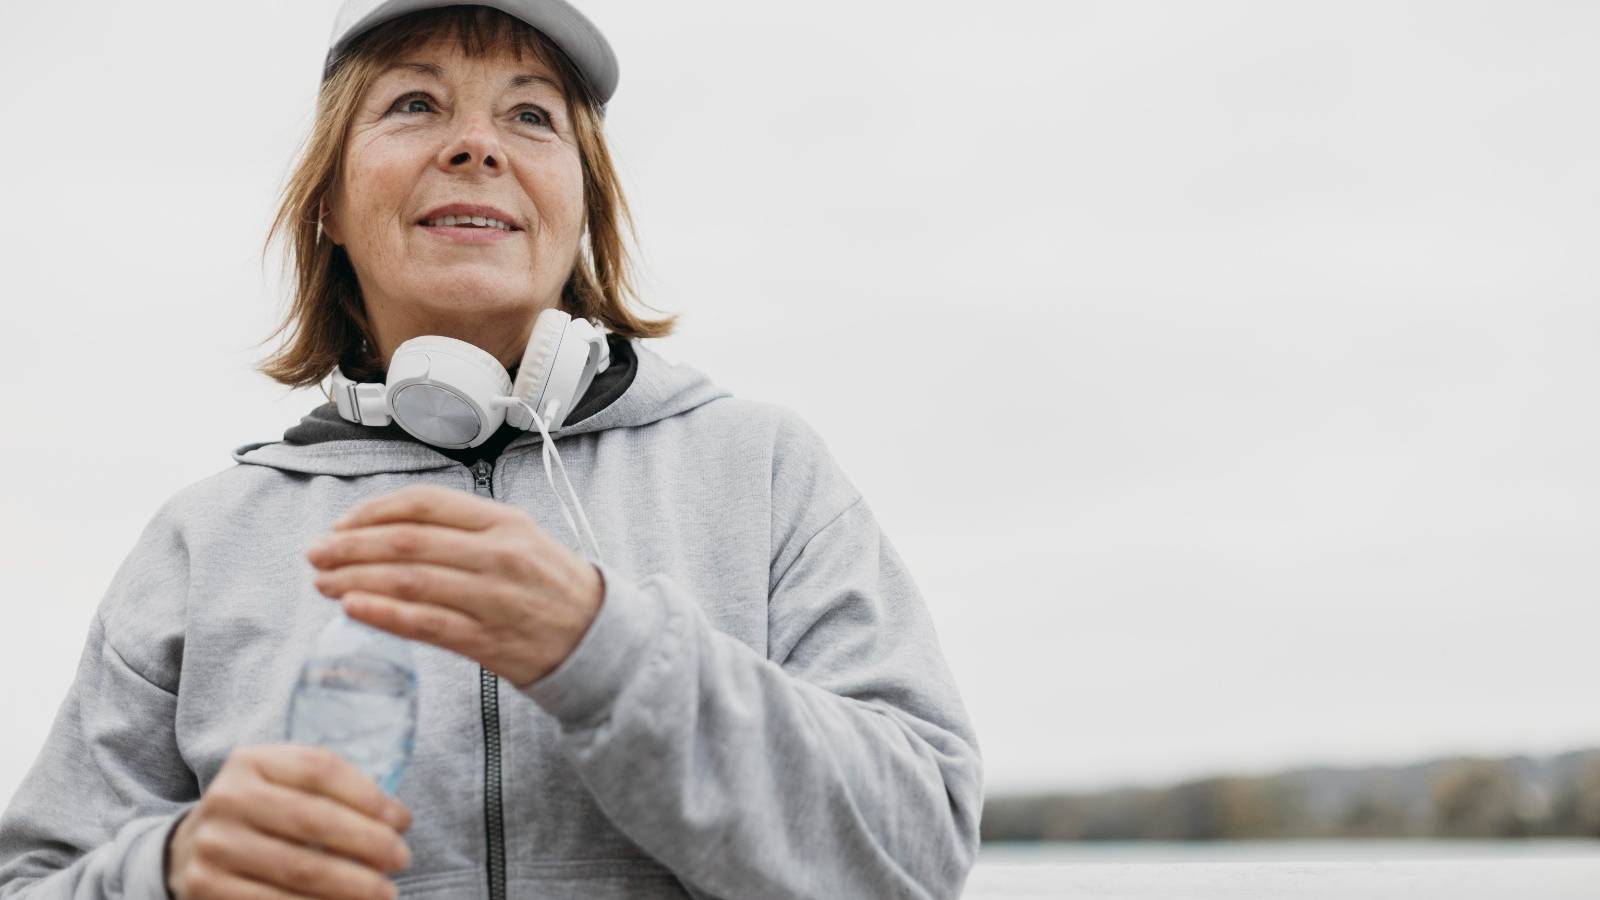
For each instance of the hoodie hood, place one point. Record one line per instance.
(638, 388)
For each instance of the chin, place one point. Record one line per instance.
(458, 299)
(470, 286)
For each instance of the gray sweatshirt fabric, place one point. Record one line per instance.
(761, 708)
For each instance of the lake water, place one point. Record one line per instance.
(1280, 851)
(1553, 869)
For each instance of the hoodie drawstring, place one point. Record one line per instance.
(549, 449)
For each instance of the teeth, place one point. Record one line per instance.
(480, 221)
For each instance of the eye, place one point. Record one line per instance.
(413, 97)
(542, 120)
(544, 117)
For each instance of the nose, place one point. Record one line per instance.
(474, 147)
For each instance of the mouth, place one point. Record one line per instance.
(480, 222)
(467, 233)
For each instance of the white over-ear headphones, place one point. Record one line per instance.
(449, 393)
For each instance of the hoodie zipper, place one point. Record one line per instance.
(489, 694)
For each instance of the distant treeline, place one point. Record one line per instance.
(1462, 797)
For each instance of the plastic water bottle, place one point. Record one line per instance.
(357, 695)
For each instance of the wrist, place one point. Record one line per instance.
(595, 587)
(166, 853)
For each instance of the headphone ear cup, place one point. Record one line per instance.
(538, 359)
(596, 358)
(442, 391)
(576, 361)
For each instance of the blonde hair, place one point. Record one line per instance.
(327, 314)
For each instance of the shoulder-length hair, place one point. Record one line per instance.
(327, 315)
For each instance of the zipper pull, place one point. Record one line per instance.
(482, 470)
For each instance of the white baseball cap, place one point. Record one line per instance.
(558, 20)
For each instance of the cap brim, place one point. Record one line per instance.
(563, 24)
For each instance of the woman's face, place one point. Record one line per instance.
(439, 129)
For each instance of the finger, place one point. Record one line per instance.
(291, 866)
(318, 770)
(417, 621)
(443, 586)
(430, 503)
(212, 882)
(408, 542)
(301, 818)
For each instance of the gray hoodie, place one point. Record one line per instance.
(760, 709)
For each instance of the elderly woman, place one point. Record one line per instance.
(745, 699)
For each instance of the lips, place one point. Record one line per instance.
(472, 209)
(466, 234)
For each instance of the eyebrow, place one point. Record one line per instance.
(521, 79)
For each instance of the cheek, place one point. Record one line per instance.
(556, 186)
(378, 183)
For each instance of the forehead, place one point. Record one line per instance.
(444, 59)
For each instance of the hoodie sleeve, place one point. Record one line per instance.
(91, 817)
(840, 764)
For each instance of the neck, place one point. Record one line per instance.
(502, 334)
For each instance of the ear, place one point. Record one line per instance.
(329, 226)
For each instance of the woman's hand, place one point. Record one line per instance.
(299, 818)
(462, 572)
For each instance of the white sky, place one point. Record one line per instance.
(1223, 371)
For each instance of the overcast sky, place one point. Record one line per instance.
(1225, 372)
